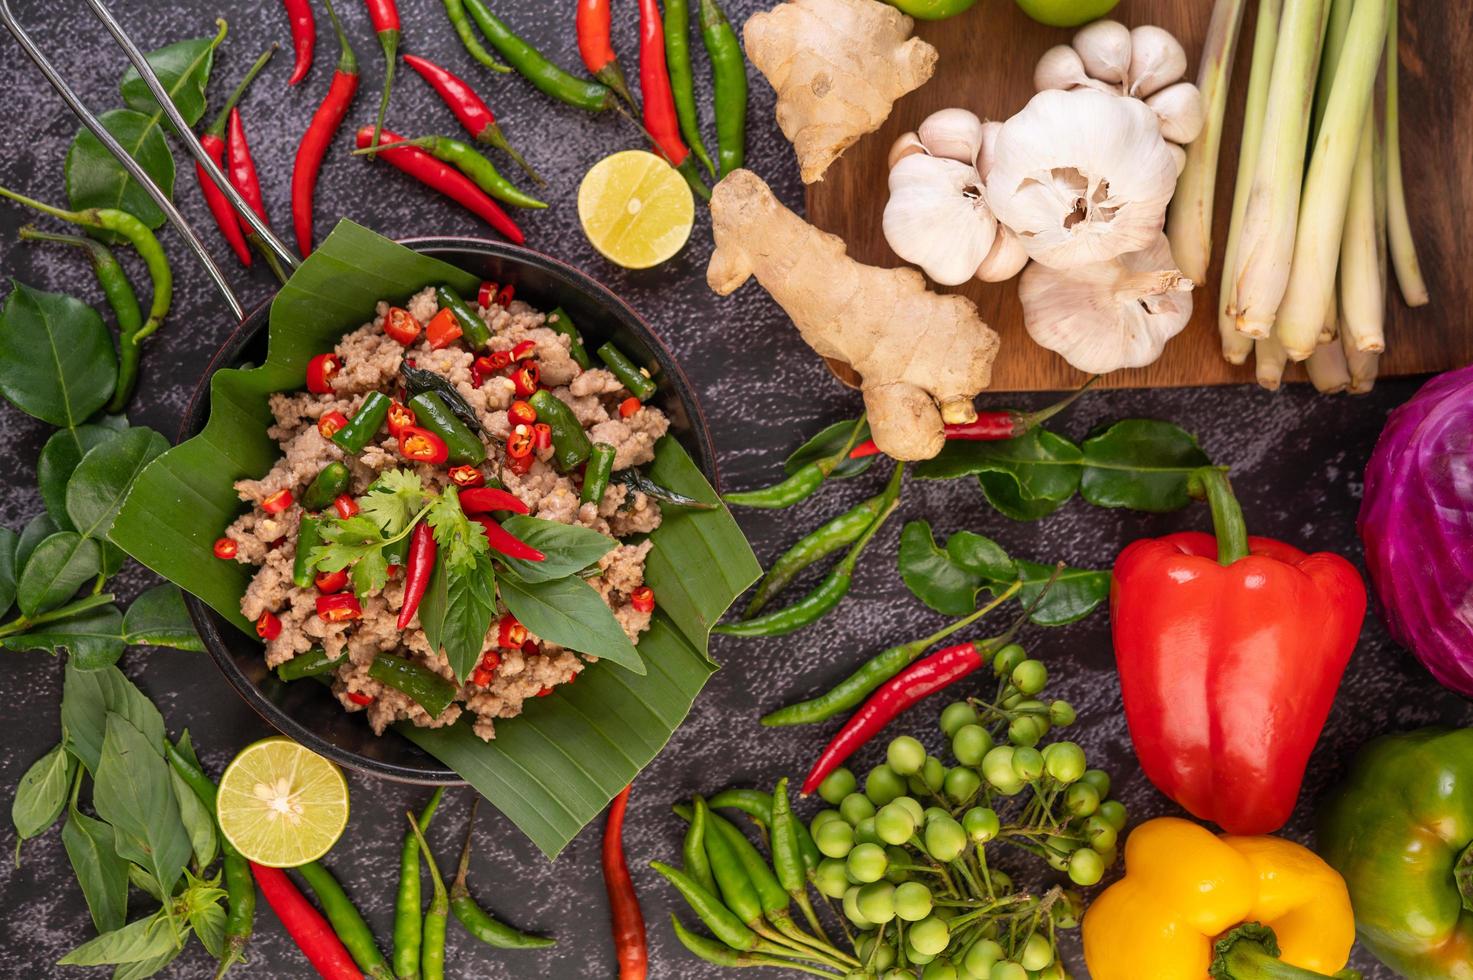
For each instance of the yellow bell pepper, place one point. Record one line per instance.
(1186, 890)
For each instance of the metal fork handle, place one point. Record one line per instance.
(186, 133)
(7, 16)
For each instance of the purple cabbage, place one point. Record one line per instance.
(1417, 525)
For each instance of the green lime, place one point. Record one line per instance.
(282, 805)
(1066, 13)
(932, 9)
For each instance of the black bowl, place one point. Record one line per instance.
(307, 712)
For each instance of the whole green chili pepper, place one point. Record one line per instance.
(720, 955)
(533, 65)
(829, 537)
(729, 72)
(364, 425)
(475, 919)
(407, 922)
(733, 882)
(787, 855)
(693, 848)
(437, 916)
(330, 483)
(722, 921)
(469, 161)
(758, 805)
(472, 327)
(455, 10)
(682, 82)
(137, 234)
(420, 684)
(346, 921)
(829, 592)
(640, 385)
(109, 273)
(314, 663)
(801, 484)
(596, 477)
(309, 536)
(771, 895)
(559, 321)
(465, 447)
(570, 445)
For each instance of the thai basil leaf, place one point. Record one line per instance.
(568, 612)
(825, 444)
(199, 823)
(95, 493)
(133, 792)
(59, 458)
(637, 481)
(37, 529)
(184, 70)
(158, 618)
(9, 546)
(567, 548)
(56, 358)
(139, 940)
(95, 179)
(209, 926)
(145, 882)
(88, 696)
(102, 875)
(948, 579)
(60, 566)
(92, 639)
(42, 794)
(1076, 593)
(1024, 478)
(147, 968)
(1142, 464)
(457, 611)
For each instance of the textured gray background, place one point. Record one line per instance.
(1297, 459)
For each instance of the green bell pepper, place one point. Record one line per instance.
(1400, 830)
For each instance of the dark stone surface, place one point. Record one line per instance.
(1297, 460)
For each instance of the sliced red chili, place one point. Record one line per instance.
(507, 543)
(522, 465)
(226, 548)
(345, 505)
(338, 608)
(505, 296)
(629, 406)
(401, 417)
(320, 372)
(268, 627)
(643, 599)
(544, 692)
(484, 500)
(519, 443)
(443, 330)
(467, 476)
(510, 634)
(542, 436)
(531, 649)
(487, 294)
(330, 423)
(328, 582)
(481, 677)
(521, 413)
(527, 378)
(524, 350)
(360, 699)
(277, 502)
(402, 326)
(495, 362)
(422, 446)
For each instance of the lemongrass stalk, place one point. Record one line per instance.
(1363, 368)
(1271, 217)
(1236, 346)
(1327, 184)
(1269, 361)
(1337, 23)
(1327, 368)
(1189, 224)
(1362, 301)
(1330, 329)
(1399, 226)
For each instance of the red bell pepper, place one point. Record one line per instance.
(1230, 651)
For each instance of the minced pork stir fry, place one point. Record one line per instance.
(387, 535)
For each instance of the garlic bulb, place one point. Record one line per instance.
(937, 217)
(990, 129)
(955, 134)
(1081, 177)
(1179, 110)
(1104, 47)
(1006, 259)
(1156, 60)
(905, 144)
(1108, 315)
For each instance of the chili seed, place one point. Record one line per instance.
(521, 412)
(527, 378)
(467, 476)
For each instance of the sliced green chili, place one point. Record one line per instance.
(420, 684)
(408, 925)
(829, 537)
(364, 425)
(559, 321)
(472, 327)
(533, 65)
(682, 82)
(314, 663)
(455, 10)
(570, 445)
(630, 376)
(596, 477)
(346, 921)
(431, 412)
(331, 482)
(729, 73)
(309, 536)
(476, 920)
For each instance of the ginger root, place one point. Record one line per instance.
(838, 66)
(922, 356)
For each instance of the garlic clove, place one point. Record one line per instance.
(1179, 154)
(1105, 49)
(937, 217)
(1108, 315)
(955, 134)
(1059, 68)
(1005, 260)
(990, 129)
(905, 145)
(1081, 177)
(1156, 60)
(1179, 108)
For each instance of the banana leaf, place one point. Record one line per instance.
(555, 767)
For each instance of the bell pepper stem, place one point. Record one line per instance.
(1211, 483)
(1251, 952)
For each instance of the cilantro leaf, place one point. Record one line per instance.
(462, 542)
(393, 500)
(347, 541)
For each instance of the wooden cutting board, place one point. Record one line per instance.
(986, 65)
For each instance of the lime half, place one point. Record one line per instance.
(282, 805)
(635, 209)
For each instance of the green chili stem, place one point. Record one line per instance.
(455, 10)
(1227, 515)
(828, 464)
(22, 623)
(217, 128)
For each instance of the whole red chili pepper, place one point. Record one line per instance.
(384, 15)
(417, 569)
(445, 179)
(593, 25)
(242, 170)
(1230, 651)
(484, 500)
(304, 36)
(469, 108)
(308, 929)
(320, 131)
(213, 142)
(918, 681)
(507, 543)
(628, 920)
(660, 119)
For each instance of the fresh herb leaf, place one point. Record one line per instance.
(88, 696)
(95, 179)
(133, 792)
(95, 493)
(199, 823)
(637, 481)
(948, 580)
(569, 613)
(37, 529)
(145, 882)
(457, 611)
(59, 458)
(1025, 478)
(567, 548)
(419, 380)
(42, 794)
(9, 546)
(825, 444)
(102, 875)
(209, 925)
(158, 618)
(370, 572)
(1142, 464)
(60, 566)
(1076, 592)
(462, 542)
(91, 639)
(394, 500)
(56, 357)
(184, 69)
(147, 968)
(139, 940)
